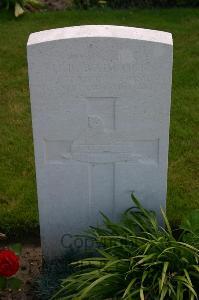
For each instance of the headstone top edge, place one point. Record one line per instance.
(110, 31)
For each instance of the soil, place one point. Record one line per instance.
(30, 267)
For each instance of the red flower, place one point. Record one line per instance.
(9, 263)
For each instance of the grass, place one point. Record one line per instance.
(18, 204)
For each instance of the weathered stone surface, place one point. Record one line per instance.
(100, 98)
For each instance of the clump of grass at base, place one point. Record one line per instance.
(138, 260)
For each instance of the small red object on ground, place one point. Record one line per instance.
(9, 263)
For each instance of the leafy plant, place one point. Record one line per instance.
(19, 6)
(138, 260)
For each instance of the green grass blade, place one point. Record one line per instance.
(164, 271)
(127, 291)
(86, 291)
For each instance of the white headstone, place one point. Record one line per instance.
(100, 98)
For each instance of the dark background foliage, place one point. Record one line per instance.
(136, 3)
